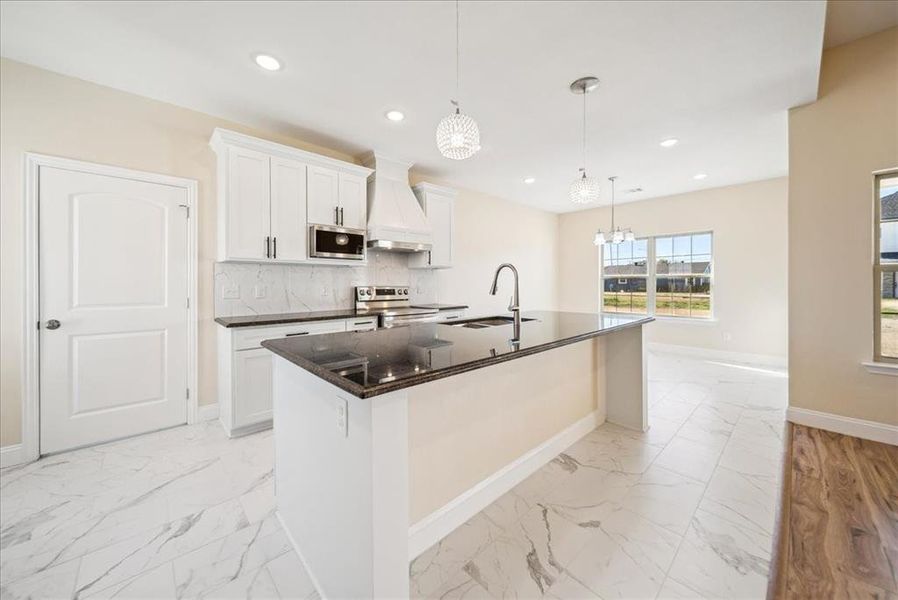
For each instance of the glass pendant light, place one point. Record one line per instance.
(616, 234)
(584, 189)
(458, 136)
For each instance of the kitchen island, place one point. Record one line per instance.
(388, 440)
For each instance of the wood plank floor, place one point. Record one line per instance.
(839, 536)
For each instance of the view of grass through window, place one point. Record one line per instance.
(887, 266)
(668, 276)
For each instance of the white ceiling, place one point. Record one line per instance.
(717, 75)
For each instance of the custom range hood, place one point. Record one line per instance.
(395, 219)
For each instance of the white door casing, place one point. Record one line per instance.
(116, 269)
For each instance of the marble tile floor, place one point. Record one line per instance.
(685, 510)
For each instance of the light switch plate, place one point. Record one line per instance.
(342, 411)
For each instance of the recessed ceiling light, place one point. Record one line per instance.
(699, 175)
(529, 180)
(394, 115)
(669, 142)
(267, 62)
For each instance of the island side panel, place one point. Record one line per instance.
(331, 484)
(625, 381)
(465, 428)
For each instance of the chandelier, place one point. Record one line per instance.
(616, 235)
(458, 136)
(584, 189)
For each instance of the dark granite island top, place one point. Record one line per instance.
(377, 362)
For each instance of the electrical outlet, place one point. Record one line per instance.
(325, 291)
(231, 292)
(260, 291)
(342, 410)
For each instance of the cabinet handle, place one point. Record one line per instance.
(275, 247)
(336, 216)
(341, 216)
(267, 247)
(300, 333)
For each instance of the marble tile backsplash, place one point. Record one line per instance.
(254, 288)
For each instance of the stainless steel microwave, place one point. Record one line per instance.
(327, 241)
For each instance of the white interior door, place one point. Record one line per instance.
(114, 274)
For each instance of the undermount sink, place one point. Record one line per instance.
(483, 322)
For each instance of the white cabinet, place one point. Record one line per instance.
(324, 196)
(289, 233)
(269, 193)
(438, 204)
(353, 201)
(337, 198)
(248, 215)
(245, 367)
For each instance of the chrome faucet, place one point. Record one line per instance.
(515, 304)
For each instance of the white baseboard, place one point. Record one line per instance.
(767, 360)
(207, 412)
(440, 523)
(11, 456)
(868, 430)
(302, 559)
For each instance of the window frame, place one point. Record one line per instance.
(878, 267)
(651, 278)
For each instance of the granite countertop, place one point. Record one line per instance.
(316, 315)
(376, 362)
(298, 317)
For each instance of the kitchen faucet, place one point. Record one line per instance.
(515, 304)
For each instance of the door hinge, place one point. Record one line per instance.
(187, 208)
(188, 393)
(38, 324)
(188, 301)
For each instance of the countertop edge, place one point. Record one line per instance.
(385, 388)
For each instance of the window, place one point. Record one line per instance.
(885, 268)
(666, 276)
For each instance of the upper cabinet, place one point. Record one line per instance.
(438, 204)
(268, 194)
(337, 198)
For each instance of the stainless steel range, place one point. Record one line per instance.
(392, 306)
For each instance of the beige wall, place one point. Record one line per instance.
(53, 114)
(490, 231)
(750, 253)
(835, 144)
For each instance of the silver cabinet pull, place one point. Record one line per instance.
(300, 333)
(267, 247)
(53, 324)
(336, 216)
(275, 247)
(341, 215)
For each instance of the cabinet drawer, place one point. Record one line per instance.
(245, 339)
(451, 315)
(365, 324)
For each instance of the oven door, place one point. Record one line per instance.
(336, 242)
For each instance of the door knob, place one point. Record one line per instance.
(52, 324)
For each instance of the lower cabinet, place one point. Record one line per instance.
(245, 369)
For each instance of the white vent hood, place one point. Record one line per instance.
(395, 219)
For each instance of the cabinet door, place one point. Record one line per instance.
(252, 386)
(440, 215)
(324, 195)
(248, 209)
(288, 210)
(353, 201)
